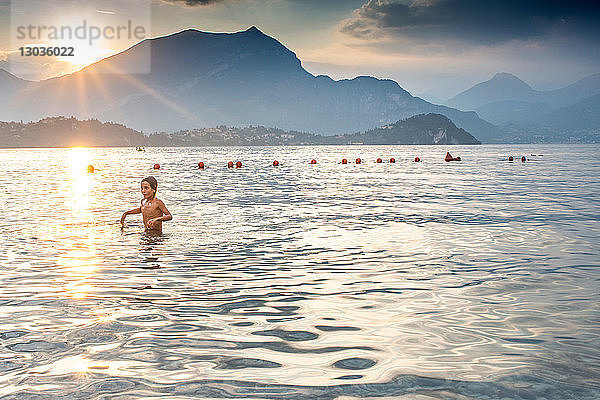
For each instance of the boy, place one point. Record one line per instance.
(153, 209)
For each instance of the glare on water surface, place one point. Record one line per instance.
(312, 281)
(80, 183)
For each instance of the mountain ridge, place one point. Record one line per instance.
(207, 79)
(567, 95)
(520, 111)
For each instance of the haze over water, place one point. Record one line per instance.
(466, 280)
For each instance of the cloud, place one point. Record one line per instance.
(315, 5)
(193, 3)
(484, 22)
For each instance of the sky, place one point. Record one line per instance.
(432, 48)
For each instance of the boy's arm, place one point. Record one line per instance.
(167, 214)
(132, 211)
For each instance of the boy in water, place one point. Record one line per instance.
(153, 210)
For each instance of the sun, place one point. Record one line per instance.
(84, 55)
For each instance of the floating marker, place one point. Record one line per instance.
(417, 159)
(238, 164)
(90, 169)
(392, 160)
(449, 157)
(275, 163)
(200, 165)
(510, 158)
(379, 161)
(358, 160)
(313, 161)
(156, 166)
(344, 161)
(230, 164)
(523, 159)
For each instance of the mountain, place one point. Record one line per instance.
(574, 93)
(512, 111)
(10, 82)
(67, 132)
(578, 116)
(523, 112)
(501, 88)
(420, 129)
(10, 86)
(201, 79)
(577, 123)
(505, 88)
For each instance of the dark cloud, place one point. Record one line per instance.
(476, 21)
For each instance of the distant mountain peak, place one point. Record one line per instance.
(196, 33)
(253, 29)
(505, 75)
(502, 87)
(197, 55)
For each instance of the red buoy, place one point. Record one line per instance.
(510, 158)
(417, 159)
(238, 164)
(449, 158)
(230, 164)
(200, 165)
(358, 160)
(523, 159)
(275, 163)
(344, 161)
(313, 161)
(392, 160)
(157, 166)
(90, 169)
(379, 161)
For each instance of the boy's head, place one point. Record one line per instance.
(149, 186)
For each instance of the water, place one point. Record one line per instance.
(471, 280)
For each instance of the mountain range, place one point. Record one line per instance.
(507, 101)
(201, 79)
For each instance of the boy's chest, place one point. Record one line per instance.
(150, 209)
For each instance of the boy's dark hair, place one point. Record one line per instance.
(152, 182)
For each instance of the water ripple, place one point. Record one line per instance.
(468, 281)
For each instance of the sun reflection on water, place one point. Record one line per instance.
(80, 183)
(79, 236)
(78, 364)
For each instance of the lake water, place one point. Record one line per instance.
(470, 280)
